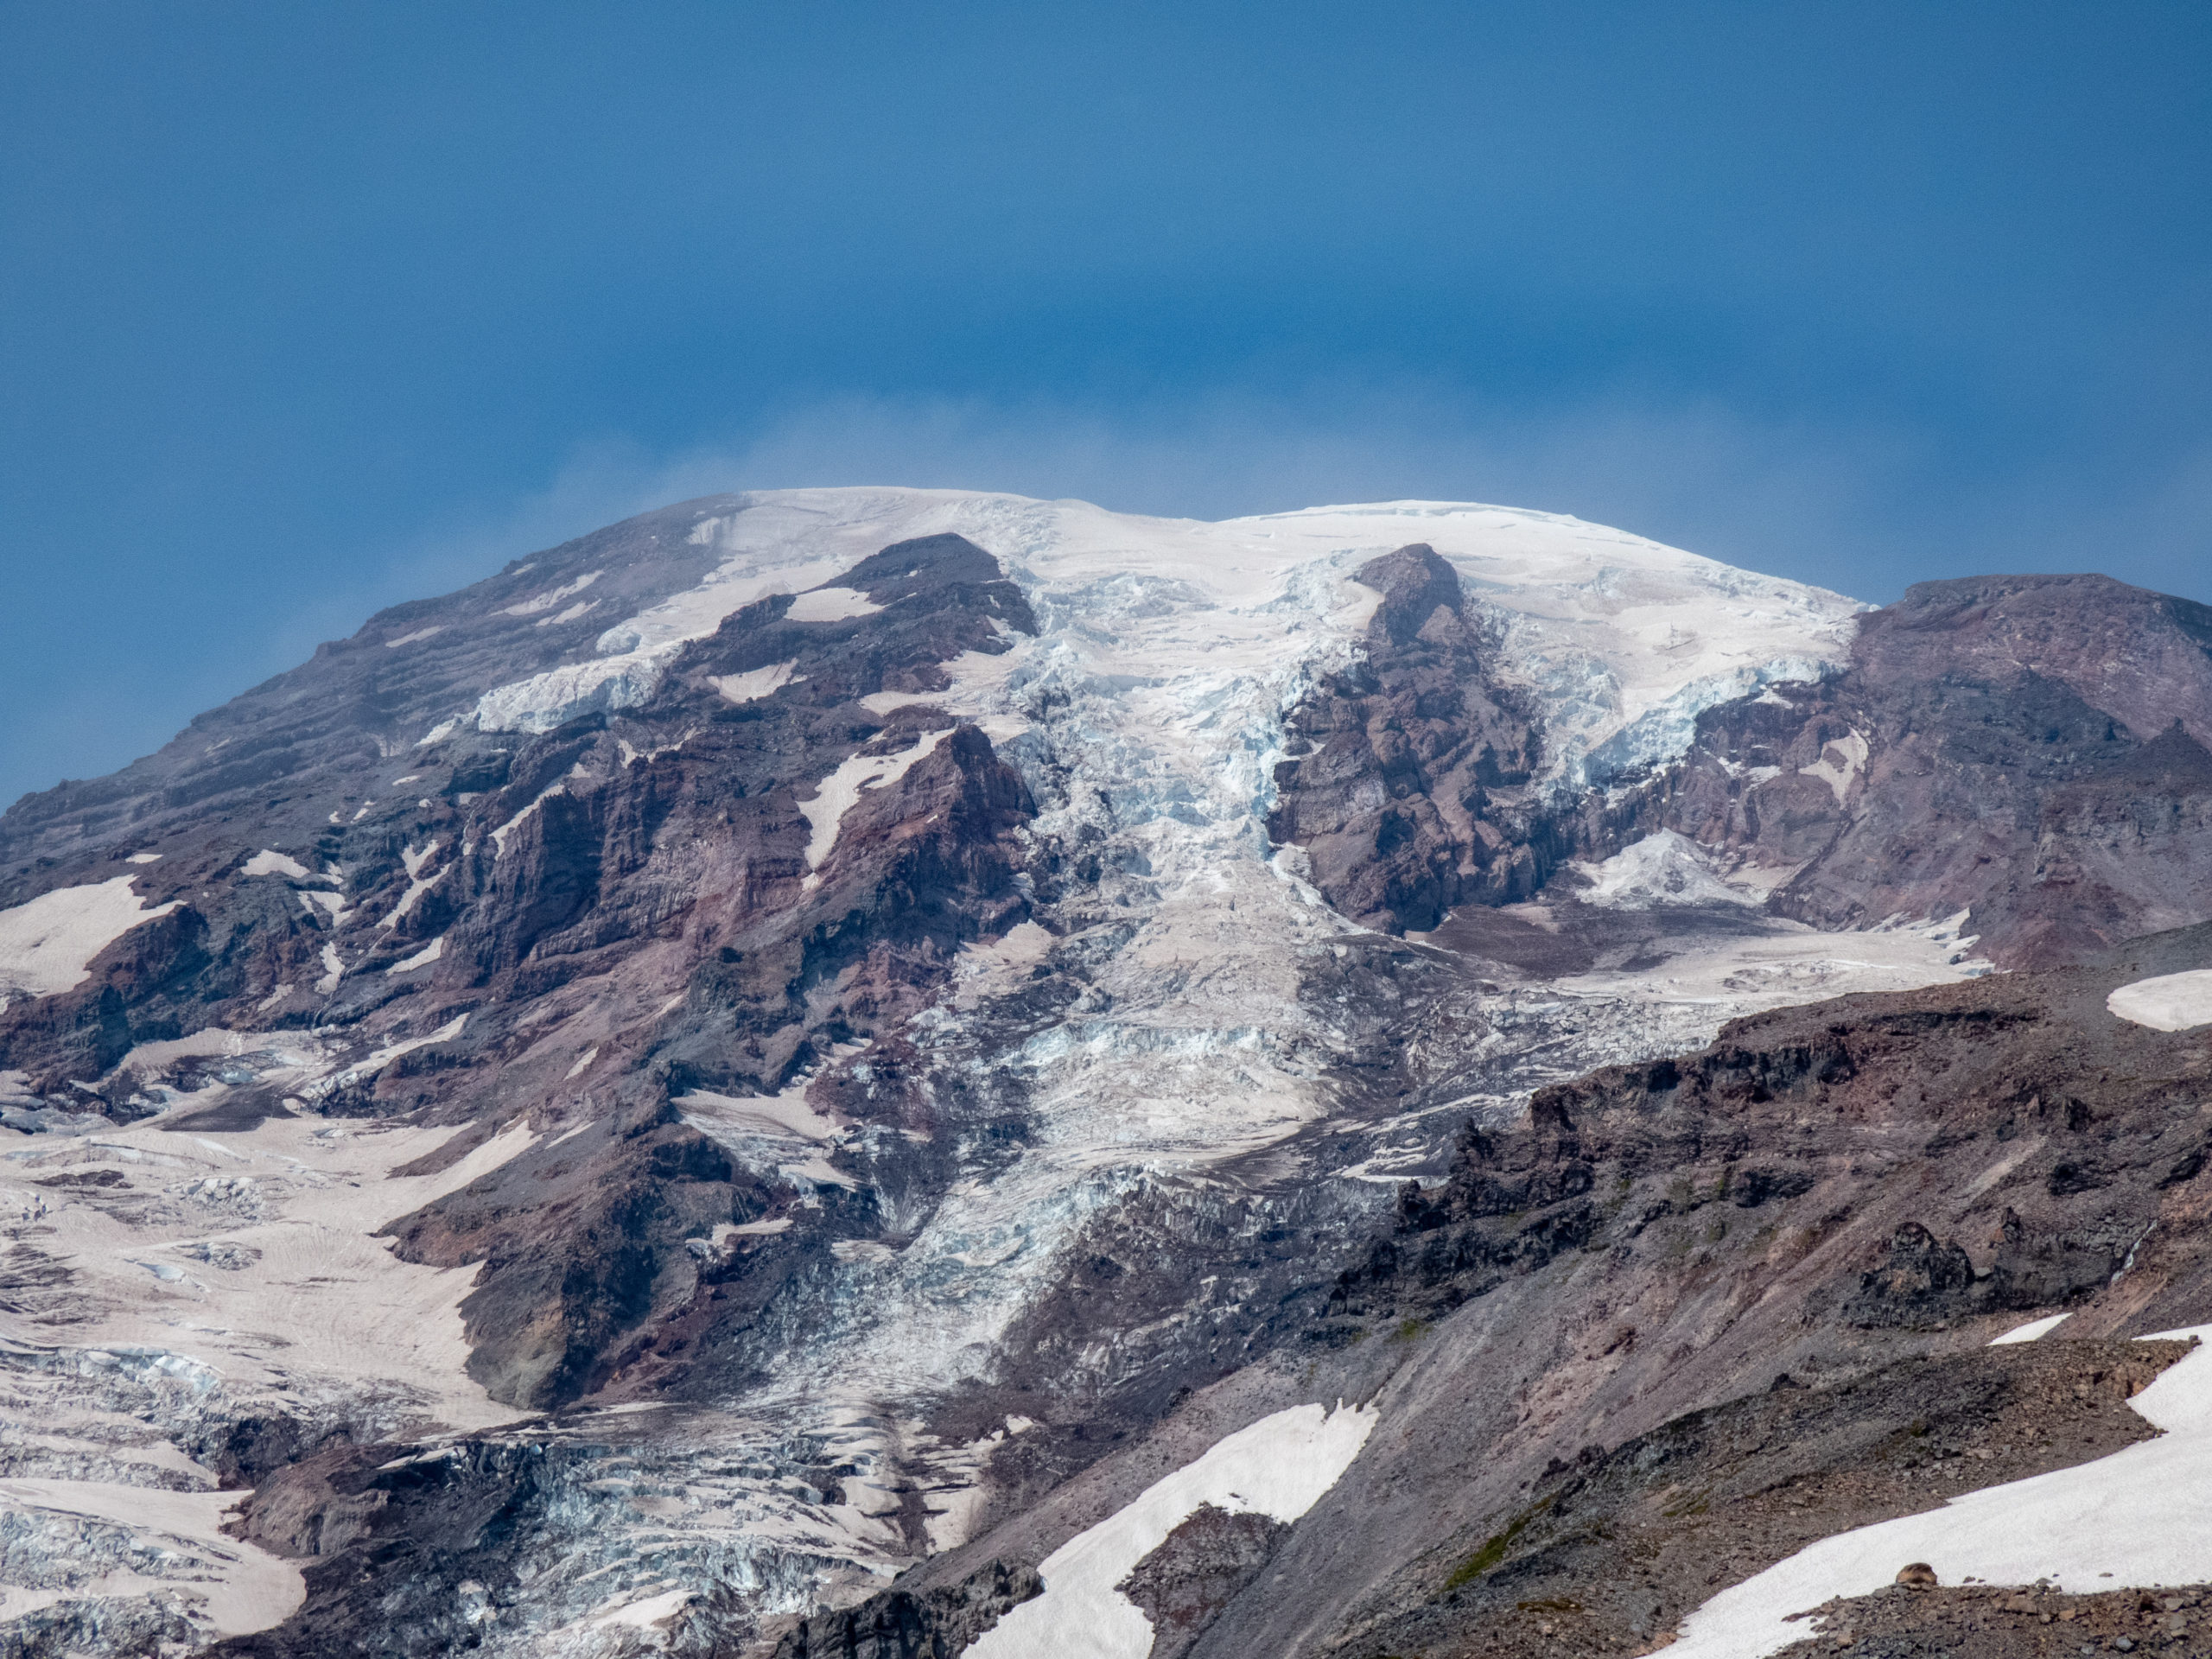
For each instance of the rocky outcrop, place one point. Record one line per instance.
(1407, 786)
(1823, 1193)
(2032, 750)
(1198, 1569)
(898, 1624)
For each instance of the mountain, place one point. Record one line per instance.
(872, 1072)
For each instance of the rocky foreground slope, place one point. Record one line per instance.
(1402, 1079)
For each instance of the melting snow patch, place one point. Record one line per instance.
(1279, 1466)
(2168, 1002)
(144, 858)
(414, 859)
(419, 633)
(2030, 1330)
(266, 862)
(2139, 1519)
(1662, 868)
(422, 958)
(48, 945)
(755, 682)
(1850, 760)
(838, 793)
(547, 601)
(830, 605)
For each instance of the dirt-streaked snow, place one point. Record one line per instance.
(1280, 1466)
(830, 605)
(2140, 1518)
(48, 945)
(755, 682)
(1665, 868)
(2167, 1002)
(237, 1586)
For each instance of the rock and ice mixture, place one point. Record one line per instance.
(760, 1043)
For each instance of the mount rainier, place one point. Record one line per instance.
(865, 1072)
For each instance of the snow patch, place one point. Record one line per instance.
(2139, 1519)
(48, 945)
(755, 682)
(417, 883)
(266, 862)
(2166, 1003)
(547, 601)
(2030, 1331)
(419, 634)
(1280, 1466)
(1842, 761)
(838, 793)
(830, 605)
(422, 958)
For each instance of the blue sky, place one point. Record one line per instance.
(304, 310)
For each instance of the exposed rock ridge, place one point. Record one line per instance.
(1408, 785)
(1823, 1191)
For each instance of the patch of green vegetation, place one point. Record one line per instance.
(1494, 1550)
(1410, 1330)
(1549, 1605)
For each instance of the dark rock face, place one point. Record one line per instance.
(2033, 749)
(937, 1625)
(1408, 791)
(1198, 1569)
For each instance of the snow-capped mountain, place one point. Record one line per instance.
(819, 1036)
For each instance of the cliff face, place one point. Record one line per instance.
(816, 1036)
(2031, 751)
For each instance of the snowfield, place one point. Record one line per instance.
(2167, 1002)
(1280, 1466)
(2141, 1518)
(48, 945)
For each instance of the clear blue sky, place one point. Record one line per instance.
(305, 309)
